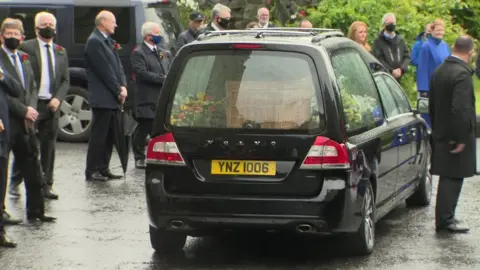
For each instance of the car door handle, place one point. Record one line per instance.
(400, 136)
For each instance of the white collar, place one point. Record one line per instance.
(152, 47)
(9, 53)
(215, 27)
(43, 43)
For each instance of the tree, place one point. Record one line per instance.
(411, 15)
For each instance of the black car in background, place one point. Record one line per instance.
(281, 130)
(75, 22)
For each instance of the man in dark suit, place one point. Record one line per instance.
(221, 15)
(452, 111)
(150, 65)
(196, 20)
(50, 66)
(8, 86)
(107, 88)
(23, 114)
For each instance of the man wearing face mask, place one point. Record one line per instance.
(150, 66)
(23, 142)
(196, 20)
(50, 66)
(220, 18)
(390, 48)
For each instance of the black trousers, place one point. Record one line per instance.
(139, 137)
(47, 131)
(448, 192)
(3, 188)
(26, 150)
(102, 139)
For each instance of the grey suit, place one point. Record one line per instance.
(22, 141)
(150, 71)
(105, 77)
(47, 123)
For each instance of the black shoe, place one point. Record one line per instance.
(9, 220)
(110, 175)
(140, 164)
(48, 193)
(453, 228)
(43, 218)
(6, 242)
(96, 176)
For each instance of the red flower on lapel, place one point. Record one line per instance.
(117, 46)
(24, 57)
(59, 49)
(162, 55)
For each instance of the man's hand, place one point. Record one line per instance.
(54, 104)
(2, 128)
(458, 147)
(123, 94)
(32, 114)
(397, 73)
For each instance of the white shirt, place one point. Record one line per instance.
(215, 27)
(18, 64)
(152, 47)
(44, 87)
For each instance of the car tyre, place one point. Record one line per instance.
(423, 195)
(164, 241)
(362, 242)
(75, 109)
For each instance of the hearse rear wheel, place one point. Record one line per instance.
(164, 241)
(362, 242)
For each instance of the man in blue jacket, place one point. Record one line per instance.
(421, 38)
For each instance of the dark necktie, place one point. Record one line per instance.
(51, 73)
(18, 68)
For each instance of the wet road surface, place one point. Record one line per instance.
(105, 226)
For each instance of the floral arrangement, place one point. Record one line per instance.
(25, 57)
(360, 111)
(60, 50)
(200, 110)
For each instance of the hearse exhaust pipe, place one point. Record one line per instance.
(177, 224)
(305, 228)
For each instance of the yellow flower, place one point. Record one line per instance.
(183, 107)
(173, 120)
(201, 95)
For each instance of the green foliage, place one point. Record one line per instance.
(467, 14)
(411, 15)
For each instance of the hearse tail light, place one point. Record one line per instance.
(163, 150)
(326, 154)
(247, 46)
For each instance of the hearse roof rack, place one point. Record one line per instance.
(280, 31)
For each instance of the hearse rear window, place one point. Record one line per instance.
(247, 89)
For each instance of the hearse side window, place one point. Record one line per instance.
(84, 23)
(27, 16)
(247, 89)
(389, 104)
(361, 102)
(400, 97)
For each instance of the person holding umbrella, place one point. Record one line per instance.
(150, 72)
(107, 88)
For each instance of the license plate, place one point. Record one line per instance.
(243, 167)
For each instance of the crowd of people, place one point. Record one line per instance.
(34, 79)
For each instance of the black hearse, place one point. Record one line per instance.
(285, 130)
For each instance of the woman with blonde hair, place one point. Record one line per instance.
(358, 33)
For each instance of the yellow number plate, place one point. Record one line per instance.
(244, 167)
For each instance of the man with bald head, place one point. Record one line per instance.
(50, 67)
(107, 87)
(305, 24)
(263, 16)
(453, 120)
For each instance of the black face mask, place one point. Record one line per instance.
(12, 43)
(46, 32)
(390, 27)
(224, 23)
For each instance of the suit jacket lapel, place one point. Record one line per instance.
(7, 64)
(58, 62)
(25, 75)
(38, 60)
